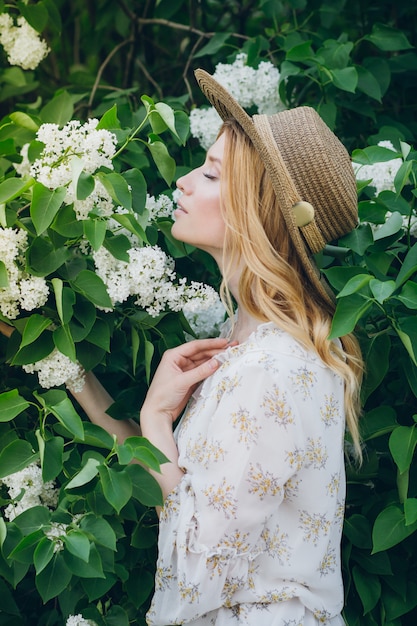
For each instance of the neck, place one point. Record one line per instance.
(246, 322)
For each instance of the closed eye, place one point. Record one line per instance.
(209, 176)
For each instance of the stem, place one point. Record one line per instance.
(131, 136)
(102, 67)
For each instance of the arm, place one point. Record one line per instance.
(178, 374)
(95, 401)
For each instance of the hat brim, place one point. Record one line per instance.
(285, 189)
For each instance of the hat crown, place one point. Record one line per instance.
(320, 168)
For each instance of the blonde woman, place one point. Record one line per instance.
(254, 491)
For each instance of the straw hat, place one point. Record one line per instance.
(310, 170)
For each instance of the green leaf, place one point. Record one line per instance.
(388, 39)
(144, 486)
(118, 246)
(358, 531)
(35, 14)
(100, 530)
(95, 231)
(52, 459)
(92, 287)
(402, 176)
(11, 405)
(163, 161)
(373, 154)
(33, 519)
(167, 115)
(409, 266)
(87, 473)
(149, 351)
(35, 351)
(392, 226)
(359, 239)
(402, 443)
(64, 342)
(345, 79)
(78, 544)
(100, 335)
(109, 119)
(355, 284)
(117, 486)
(136, 181)
(348, 312)
(8, 603)
(11, 188)
(408, 295)
(59, 110)
(390, 529)
(410, 510)
(368, 84)
(92, 569)
(45, 205)
(54, 578)
(24, 121)
(216, 42)
(35, 326)
(117, 188)
(382, 289)
(117, 616)
(368, 587)
(16, 456)
(64, 411)
(96, 436)
(378, 422)
(44, 259)
(377, 354)
(301, 52)
(131, 223)
(85, 186)
(4, 276)
(43, 554)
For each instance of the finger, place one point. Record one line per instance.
(199, 346)
(203, 371)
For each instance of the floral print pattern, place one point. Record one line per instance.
(251, 534)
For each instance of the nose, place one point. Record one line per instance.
(184, 182)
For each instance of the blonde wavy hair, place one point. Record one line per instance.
(273, 285)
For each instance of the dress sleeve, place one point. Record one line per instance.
(245, 443)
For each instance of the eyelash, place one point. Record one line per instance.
(210, 176)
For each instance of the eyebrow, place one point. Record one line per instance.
(214, 159)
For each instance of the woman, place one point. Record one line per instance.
(254, 491)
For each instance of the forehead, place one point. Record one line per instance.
(215, 153)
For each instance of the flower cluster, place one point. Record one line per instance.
(57, 369)
(22, 43)
(381, 174)
(27, 489)
(162, 206)
(249, 86)
(150, 277)
(21, 290)
(79, 620)
(55, 166)
(206, 322)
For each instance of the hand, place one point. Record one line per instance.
(178, 374)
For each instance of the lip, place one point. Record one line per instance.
(180, 209)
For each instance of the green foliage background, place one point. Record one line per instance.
(356, 63)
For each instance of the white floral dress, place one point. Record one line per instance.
(251, 534)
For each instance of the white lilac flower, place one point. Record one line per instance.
(150, 277)
(249, 86)
(54, 167)
(22, 43)
(27, 488)
(78, 620)
(162, 206)
(57, 369)
(382, 174)
(22, 291)
(55, 532)
(99, 200)
(206, 322)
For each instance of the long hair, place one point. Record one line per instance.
(273, 285)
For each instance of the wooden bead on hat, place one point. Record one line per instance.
(303, 213)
